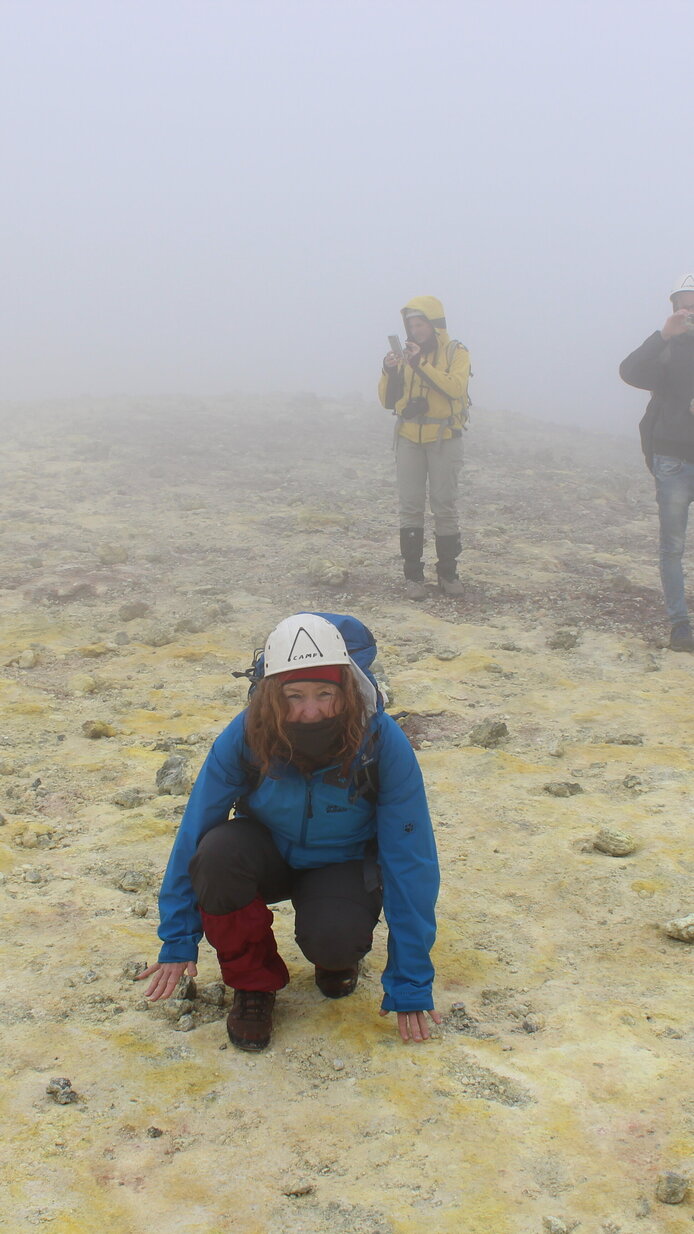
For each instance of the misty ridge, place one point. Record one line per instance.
(244, 204)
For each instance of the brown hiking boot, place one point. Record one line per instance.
(337, 983)
(249, 1023)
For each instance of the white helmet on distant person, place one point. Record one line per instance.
(304, 641)
(684, 283)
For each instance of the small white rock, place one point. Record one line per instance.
(681, 928)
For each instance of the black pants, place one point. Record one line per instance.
(335, 912)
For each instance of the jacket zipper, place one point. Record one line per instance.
(308, 813)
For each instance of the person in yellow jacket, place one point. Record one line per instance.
(426, 388)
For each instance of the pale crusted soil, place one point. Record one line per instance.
(562, 1089)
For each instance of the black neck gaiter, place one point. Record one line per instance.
(316, 741)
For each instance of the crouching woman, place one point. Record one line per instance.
(330, 812)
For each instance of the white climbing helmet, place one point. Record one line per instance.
(684, 283)
(304, 640)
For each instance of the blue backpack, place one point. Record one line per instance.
(361, 646)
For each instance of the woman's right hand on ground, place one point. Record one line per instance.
(165, 978)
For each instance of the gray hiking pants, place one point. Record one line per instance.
(440, 463)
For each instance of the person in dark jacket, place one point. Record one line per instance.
(664, 364)
(330, 812)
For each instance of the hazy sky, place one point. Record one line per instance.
(201, 197)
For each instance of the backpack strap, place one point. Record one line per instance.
(451, 348)
(366, 779)
(254, 778)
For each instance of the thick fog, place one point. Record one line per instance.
(204, 197)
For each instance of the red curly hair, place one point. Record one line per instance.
(269, 741)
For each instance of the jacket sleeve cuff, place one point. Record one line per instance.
(182, 951)
(407, 1003)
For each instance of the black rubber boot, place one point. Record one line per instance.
(447, 550)
(411, 549)
(681, 637)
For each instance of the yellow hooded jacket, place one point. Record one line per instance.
(443, 386)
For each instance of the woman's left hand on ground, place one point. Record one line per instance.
(412, 1025)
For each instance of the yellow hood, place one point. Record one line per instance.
(432, 309)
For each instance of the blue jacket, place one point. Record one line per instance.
(314, 823)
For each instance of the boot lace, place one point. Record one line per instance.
(254, 1004)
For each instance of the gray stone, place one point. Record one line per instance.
(96, 729)
(133, 880)
(113, 554)
(533, 1023)
(329, 573)
(186, 987)
(563, 640)
(173, 777)
(671, 1187)
(562, 788)
(631, 782)
(489, 734)
(83, 683)
(61, 1090)
(191, 625)
(624, 739)
(614, 843)
(33, 876)
(136, 608)
(129, 798)
(132, 969)
(185, 1024)
(157, 636)
(300, 1187)
(214, 994)
(174, 1008)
